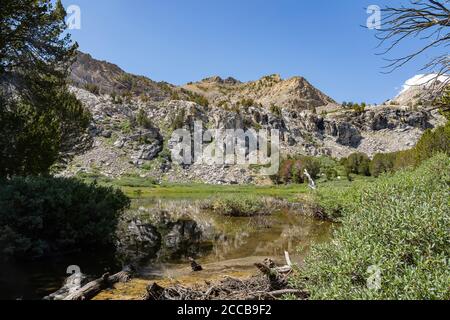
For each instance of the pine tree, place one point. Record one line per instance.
(38, 115)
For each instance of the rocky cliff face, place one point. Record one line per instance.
(121, 144)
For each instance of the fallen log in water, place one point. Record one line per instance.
(91, 289)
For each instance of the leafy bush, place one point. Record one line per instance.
(444, 104)
(357, 163)
(398, 224)
(292, 170)
(116, 99)
(276, 110)
(143, 120)
(200, 100)
(238, 206)
(92, 88)
(382, 163)
(433, 142)
(330, 201)
(175, 96)
(179, 120)
(40, 216)
(247, 103)
(197, 98)
(126, 127)
(127, 96)
(357, 108)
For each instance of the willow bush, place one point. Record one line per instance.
(398, 224)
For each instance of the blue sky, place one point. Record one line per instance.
(187, 40)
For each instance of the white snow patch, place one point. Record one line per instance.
(422, 79)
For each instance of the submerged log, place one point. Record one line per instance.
(91, 289)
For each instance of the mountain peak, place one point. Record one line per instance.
(219, 80)
(293, 93)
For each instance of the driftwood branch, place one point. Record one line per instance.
(91, 289)
(277, 276)
(271, 285)
(311, 184)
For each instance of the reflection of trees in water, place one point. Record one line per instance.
(225, 244)
(293, 236)
(225, 238)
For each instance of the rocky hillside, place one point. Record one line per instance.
(106, 78)
(133, 122)
(295, 93)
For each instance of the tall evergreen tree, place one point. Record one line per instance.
(37, 112)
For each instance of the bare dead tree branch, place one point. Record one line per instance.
(427, 20)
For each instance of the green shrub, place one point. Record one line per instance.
(328, 167)
(179, 120)
(433, 142)
(292, 170)
(127, 96)
(331, 174)
(200, 100)
(382, 163)
(329, 203)
(444, 104)
(92, 88)
(359, 108)
(238, 206)
(247, 103)
(175, 96)
(357, 163)
(116, 99)
(404, 159)
(398, 224)
(143, 120)
(276, 110)
(41, 216)
(126, 127)
(197, 98)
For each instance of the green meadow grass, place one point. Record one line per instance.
(136, 187)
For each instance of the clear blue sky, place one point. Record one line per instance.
(187, 40)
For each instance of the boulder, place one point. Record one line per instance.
(139, 241)
(348, 135)
(120, 143)
(183, 239)
(149, 152)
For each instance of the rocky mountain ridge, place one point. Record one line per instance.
(132, 125)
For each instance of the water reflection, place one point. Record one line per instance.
(226, 242)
